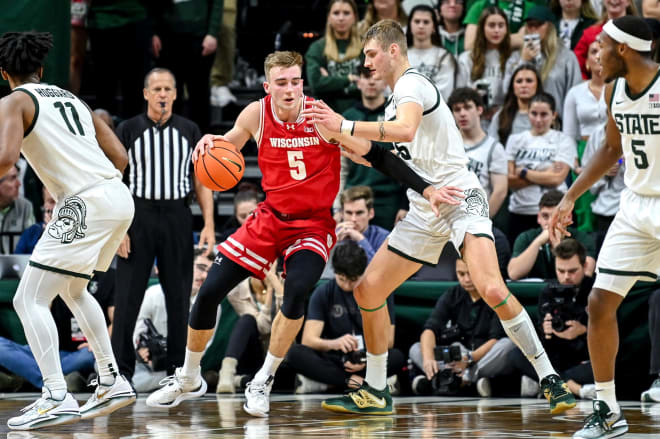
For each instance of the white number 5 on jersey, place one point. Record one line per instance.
(298, 171)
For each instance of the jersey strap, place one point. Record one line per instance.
(36, 110)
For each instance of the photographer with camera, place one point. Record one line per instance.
(150, 335)
(463, 342)
(332, 352)
(563, 317)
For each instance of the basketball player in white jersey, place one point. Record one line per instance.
(424, 134)
(631, 250)
(80, 161)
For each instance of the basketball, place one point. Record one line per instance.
(221, 168)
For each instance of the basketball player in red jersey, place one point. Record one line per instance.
(300, 170)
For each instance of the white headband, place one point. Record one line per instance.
(632, 41)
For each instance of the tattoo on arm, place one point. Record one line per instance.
(381, 129)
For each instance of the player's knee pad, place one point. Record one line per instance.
(304, 269)
(293, 305)
(223, 276)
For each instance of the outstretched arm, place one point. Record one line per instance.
(601, 162)
(401, 129)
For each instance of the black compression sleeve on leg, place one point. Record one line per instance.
(392, 166)
(223, 276)
(303, 270)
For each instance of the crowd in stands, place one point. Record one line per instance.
(523, 82)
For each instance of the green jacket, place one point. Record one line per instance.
(192, 17)
(335, 89)
(107, 14)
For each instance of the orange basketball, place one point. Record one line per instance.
(221, 168)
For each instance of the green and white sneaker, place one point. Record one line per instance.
(602, 423)
(45, 412)
(556, 392)
(364, 400)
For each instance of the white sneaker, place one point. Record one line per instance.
(106, 400)
(653, 393)
(177, 388)
(588, 391)
(483, 387)
(45, 412)
(529, 388)
(258, 398)
(308, 385)
(393, 385)
(221, 96)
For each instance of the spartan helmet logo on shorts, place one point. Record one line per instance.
(70, 222)
(476, 202)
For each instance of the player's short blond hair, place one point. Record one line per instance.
(387, 32)
(282, 59)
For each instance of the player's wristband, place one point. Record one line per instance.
(523, 173)
(347, 127)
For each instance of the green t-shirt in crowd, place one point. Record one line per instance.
(544, 266)
(473, 14)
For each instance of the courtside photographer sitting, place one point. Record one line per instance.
(463, 343)
(563, 317)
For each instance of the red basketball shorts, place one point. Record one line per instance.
(266, 235)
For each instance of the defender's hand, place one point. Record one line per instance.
(444, 195)
(562, 217)
(124, 249)
(320, 113)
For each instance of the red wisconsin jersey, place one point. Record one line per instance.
(300, 168)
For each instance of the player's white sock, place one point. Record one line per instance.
(271, 363)
(520, 330)
(89, 315)
(377, 370)
(606, 392)
(32, 301)
(191, 364)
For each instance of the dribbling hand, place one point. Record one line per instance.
(206, 143)
(562, 217)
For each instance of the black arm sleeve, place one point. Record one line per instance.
(392, 166)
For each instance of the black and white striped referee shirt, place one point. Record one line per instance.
(159, 158)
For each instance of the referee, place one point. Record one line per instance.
(160, 177)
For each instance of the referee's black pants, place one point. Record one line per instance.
(160, 230)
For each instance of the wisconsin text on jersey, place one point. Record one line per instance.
(295, 142)
(54, 93)
(637, 123)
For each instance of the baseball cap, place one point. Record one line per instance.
(541, 13)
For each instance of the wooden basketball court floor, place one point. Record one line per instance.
(294, 416)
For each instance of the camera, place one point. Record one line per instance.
(156, 344)
(355, 357)
(561, 305)
(448, 354)
(446, 382)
